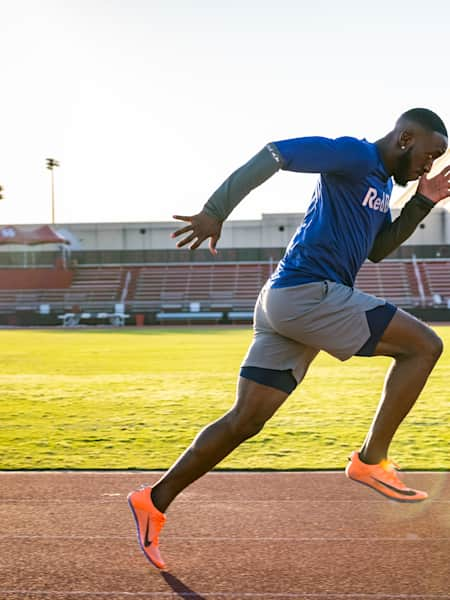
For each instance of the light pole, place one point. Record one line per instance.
(51, 164)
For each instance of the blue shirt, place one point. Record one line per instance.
(349, 207)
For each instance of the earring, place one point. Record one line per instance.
(402, 147)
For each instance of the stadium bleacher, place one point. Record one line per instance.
(390, 280)
(213, 286)
(436, 277)
(96, 287)
(194, 292)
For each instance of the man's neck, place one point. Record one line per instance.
(384, 146)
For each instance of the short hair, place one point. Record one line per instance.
(427, 118)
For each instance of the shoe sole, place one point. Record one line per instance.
(139, 537)
(386, 495)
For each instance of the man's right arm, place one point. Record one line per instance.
(207, 224)
(305, 155)
(240, 183)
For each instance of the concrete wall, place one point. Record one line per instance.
(272, 230)
(434, 229)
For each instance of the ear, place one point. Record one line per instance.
(405, 139)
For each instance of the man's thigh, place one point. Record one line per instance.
(406, 335)
(256, 401)
(274, 352)
(328, 316)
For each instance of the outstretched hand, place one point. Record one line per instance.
(201, 227)
(438, 187)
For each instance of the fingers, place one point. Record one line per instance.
(196, 232)
(444, 176)
(212, 245)
(198, 241)
(445, 171)
(186, 240)
(181, 218)
(196, 244)
(181, 231)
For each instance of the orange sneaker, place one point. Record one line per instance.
(149, 522)
(383, 478)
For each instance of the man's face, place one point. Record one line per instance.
(418, 159)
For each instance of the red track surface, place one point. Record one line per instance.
(265, 536)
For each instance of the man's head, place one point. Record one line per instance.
(419, 137)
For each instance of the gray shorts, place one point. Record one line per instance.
(291, 325)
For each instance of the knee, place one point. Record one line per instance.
(437, 348)
(431, 348)
(243, 427)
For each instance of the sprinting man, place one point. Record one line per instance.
(309, 303)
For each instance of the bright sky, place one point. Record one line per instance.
(149, 104)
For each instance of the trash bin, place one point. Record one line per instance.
(139, 320)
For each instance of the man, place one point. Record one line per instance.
(309, 303)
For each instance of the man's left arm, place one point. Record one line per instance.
(429, 193)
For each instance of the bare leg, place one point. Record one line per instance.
(255, 404)
(415, 349)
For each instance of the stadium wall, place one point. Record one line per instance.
(30, 279)
(271, 231)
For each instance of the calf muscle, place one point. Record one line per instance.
(255, 404)
(415, 349)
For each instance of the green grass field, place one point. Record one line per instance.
(135, 398)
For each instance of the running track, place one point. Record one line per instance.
(241, 536)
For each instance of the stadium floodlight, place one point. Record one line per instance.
(51, 164)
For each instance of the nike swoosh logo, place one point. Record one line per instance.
(147, 542)
(394, 489)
